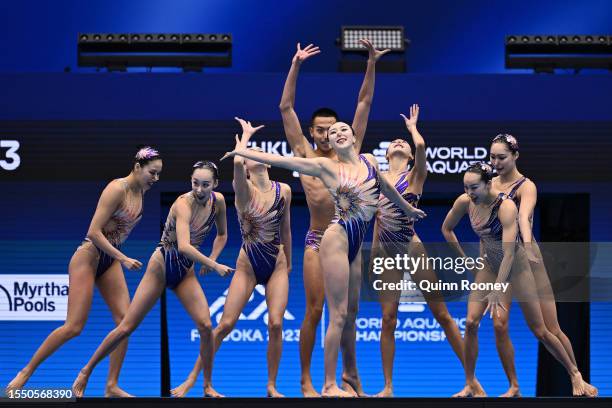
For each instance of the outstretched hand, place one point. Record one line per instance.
(493, 304)
(373, 53)
(247, 128)
(417, 214)
(242, 142)
(411, 122)
(302, 55)
(221, 269)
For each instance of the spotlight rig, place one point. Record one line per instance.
(191, 52)
(382, 37)
(545, 53)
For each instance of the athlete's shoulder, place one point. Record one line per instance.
(463, 199)
(219, 198)
(462, 203)
(118, 184)
(184, 201)
(115, 190)
(528, 186)
(370, 157)
(285, 187)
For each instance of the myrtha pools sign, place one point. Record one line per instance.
(33, 297)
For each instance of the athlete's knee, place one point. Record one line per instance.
(471, 324)
(275, 325)
(314, 311)
(541, 332)
(72, 330)
(443, 317)
(338, 318)
(118, 317)
(500, 325)
(204, 327)
(554, 329)
(389, 321)
(224, 328)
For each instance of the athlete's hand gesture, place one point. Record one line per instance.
(241, 142)
(493, 304)
(131, 264)
(411, 122)
(373, 53)
(302, 55)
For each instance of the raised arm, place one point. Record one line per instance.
(419, 174)
(293, 130)
(286, 227)
(311, 167)
(389, 191)
(110, 199)
(459, 209)
(183, 215)
(366, 94)
(241, 183)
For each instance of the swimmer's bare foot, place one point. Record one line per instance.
(349, 388)
(387, 392)
(19, 381)
(513, 391)
(352, 385)
(78, 386)
(472, 389)
(113, 391)
(308, 390)
(590, 390)
(480, 392)
(183, 389)
(332, 391)
(464, 393)
(209, 391)
(578, 385)
(273, 392)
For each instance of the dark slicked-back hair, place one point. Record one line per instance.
(323, 112)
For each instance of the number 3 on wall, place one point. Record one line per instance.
(11, 154)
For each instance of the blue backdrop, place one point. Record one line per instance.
(454, 44)
(447, 36)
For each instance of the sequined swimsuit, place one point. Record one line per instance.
(355, 204)
(393, 224)
(118, 227)
(260, 230)
(490, 232)
(177, 265)
(313, 239)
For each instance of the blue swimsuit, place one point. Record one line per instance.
(393, 224)
(260, 230)
(177, 264)
(355, 202)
